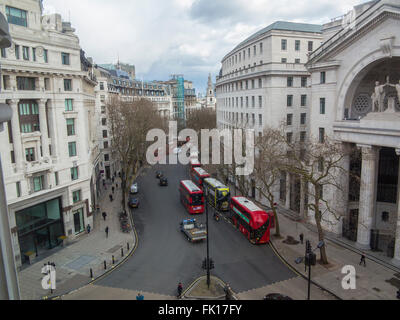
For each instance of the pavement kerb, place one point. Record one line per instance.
(290, 266)
(190, 287)
(113, 268)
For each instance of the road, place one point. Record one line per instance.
(164, 257)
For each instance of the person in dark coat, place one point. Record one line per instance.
(111, 197)
(362, 260)
(88, 228)
(301, 238)
(180, 288)
(104, 214)
(112, 189)
(106, 232)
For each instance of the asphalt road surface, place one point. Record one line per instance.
(164, 256)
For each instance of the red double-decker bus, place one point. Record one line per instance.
(194, 163)
(191, 197)
(252, 221)
(198, 175)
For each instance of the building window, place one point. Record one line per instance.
(253, 101)
(56, 178)
(3, 53)
(65, 58)
(72, 149)
(104, 121)
(241, 102)
(17, 52)
(303, 82)
(289, 119)
(25, 83)
(261, 48)
(322, 77)
(106, 157)
(104, 133)
(30, 154)
(296, 60)
(247, 102)
(70, 127)
(320, 164)
(18, 185)
(101, 86)
(34, 54)
(46, 84)
(385, 216)
(45, 55)
(67, 85)
(76, 196)
(302, 136)
(289, 137)
(290, 100)
(260, 119)
(321, 135)
(260, 101)
(25, 53)
(105, 144)
(290, 81)
(297, 45)
(74, 173)
(16, 16)
(303, 118)
(303, 102)
(322, 105)
(283, 60)
(68, 105)
(38, 183)
(283, 44)
(310, 46)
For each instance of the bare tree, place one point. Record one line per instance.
(129, 123)
(320, 164)
(270, 154)
(198, 119)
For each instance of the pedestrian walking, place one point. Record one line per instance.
(111, 197)
(362, 260)
(106, 232)
(301, 237)
(139, 296)
(112, 179)
(104, 214)
(112, 189)
(180, 288)
(398, 294)
(228, 295)
(116, 186)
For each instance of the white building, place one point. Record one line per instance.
(348, 104)
(48, 148)
(263, 83)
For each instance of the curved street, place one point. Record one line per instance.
(164, 257)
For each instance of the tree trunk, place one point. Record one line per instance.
(324, 257)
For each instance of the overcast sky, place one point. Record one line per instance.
(189, 37)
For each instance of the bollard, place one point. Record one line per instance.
(127, 246)
(113, 260)
(91, 273)
(105, 265)
(122, 252)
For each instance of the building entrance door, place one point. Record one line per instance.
(78, 221)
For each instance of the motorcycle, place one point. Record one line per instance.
(216, 216)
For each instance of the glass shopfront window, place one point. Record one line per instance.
(39, 227)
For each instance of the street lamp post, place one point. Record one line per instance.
(208, 248)
(307, 262)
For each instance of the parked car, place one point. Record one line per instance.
(276, 296)
(133, 202)
(134, 188)
(163, 181)
(159, 174)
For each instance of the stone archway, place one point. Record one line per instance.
(357, 101)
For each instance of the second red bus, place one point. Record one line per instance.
(191, 197)
(198, 175)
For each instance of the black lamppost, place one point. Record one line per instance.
(208, 248)
(309, 256)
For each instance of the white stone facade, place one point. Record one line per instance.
(38, 149)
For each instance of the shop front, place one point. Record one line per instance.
(39, 228)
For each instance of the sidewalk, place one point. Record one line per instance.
(73, 262)
(375, 281)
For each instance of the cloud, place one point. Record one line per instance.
(187, 37)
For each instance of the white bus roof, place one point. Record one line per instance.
(194, 161)
(247, 204)
(190, 185)
(200, 171)
(215, 183)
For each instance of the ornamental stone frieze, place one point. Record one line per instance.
(386, 45)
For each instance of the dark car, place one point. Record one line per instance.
(163, 181)
(276, 296)
(159, 174)
(133, 202)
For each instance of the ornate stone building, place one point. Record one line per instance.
(355, 92)
(49, 146)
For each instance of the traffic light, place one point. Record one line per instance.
(308, 246)
(204, 265)
(212, 264)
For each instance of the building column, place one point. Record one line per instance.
(370, 158)
(43, 128)
(396, 258)
(16, 134)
